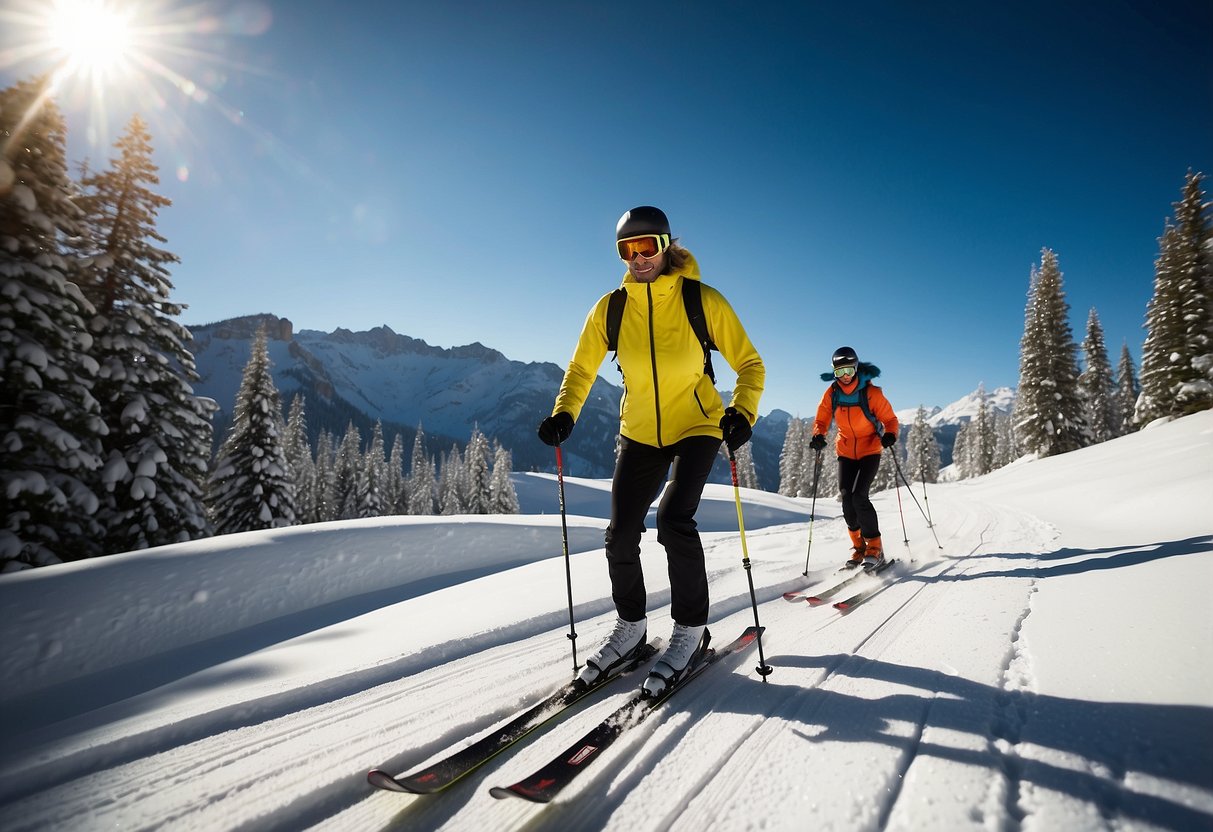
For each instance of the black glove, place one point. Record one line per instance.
(818, 442)
(888, 440)
(736, 429)
(555, 429)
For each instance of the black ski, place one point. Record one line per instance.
(438, 775)
(548, 781)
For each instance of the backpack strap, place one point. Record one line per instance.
(692, 299)
(863, 405)
(619, 299)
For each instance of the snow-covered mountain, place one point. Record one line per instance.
(964, 409)
(362, 377)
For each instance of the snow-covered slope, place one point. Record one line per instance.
(1048, 666)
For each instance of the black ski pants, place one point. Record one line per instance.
(639, 474)
(854, 481)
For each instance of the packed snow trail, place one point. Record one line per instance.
(981, 688)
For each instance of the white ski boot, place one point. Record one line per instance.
(686, 646)
(627, 638)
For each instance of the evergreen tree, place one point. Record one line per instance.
(250, 486)
(374, 473)
(50, 424)
(922, 450)
(1177, 357)
(1048, 411)
(981, 446)
(326, 478)
(422, 483)
(747, 474)
(348, 474)
(1006, 449)
(450, 484)
(395, 491)
(791, 458)
(1097, 386)
(1127, 390)
(886, 472)
(159, 439)
(503, 498)
(962, 455)
(474, 482)
(299, 458)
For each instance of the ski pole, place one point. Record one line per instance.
(922, 475)
(568, 568)
(915, 499)
(764, 669)
(905, 535)
(812, 512)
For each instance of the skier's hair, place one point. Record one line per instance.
(676, 257)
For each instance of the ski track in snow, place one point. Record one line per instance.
(883, 733)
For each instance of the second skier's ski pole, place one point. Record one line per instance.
(915, 499)
(812, 512)
(896, 487)
(764, 669)
(568, 568)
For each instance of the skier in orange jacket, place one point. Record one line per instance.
(866, 426)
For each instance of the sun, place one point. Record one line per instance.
(92, 36)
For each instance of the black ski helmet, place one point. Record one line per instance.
(644, 219)
(844, 357)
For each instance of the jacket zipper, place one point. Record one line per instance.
(653, 362)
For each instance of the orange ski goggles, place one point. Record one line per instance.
(646, 245)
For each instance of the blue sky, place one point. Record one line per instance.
(883, 177)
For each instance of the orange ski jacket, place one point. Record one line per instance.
(857, 436)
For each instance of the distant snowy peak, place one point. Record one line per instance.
(963, 410)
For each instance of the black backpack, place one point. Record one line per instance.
(692, 299)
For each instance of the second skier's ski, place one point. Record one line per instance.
(548, 781)
(858, 598)
(442, 773)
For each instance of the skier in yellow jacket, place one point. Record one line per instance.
(672, 421)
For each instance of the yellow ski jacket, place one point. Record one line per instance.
(666, 394)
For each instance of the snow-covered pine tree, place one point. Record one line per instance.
(886, 473)
(348, 474)
(396, 495)
(450, 484)
(982, 438)
(922, 450)
(827, 483)
(250, 486)
(791, 458)
(962, 455)
(476, 496)
(1097, 386)
(371, 501)
(1048, 411)
(747, 474)
(50, 423)
(326, 479)
(422, 483)
(159, 440)
(1127, 390)
(1177, 357)
(503, 498)
(299, 458)
(1006, 449)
